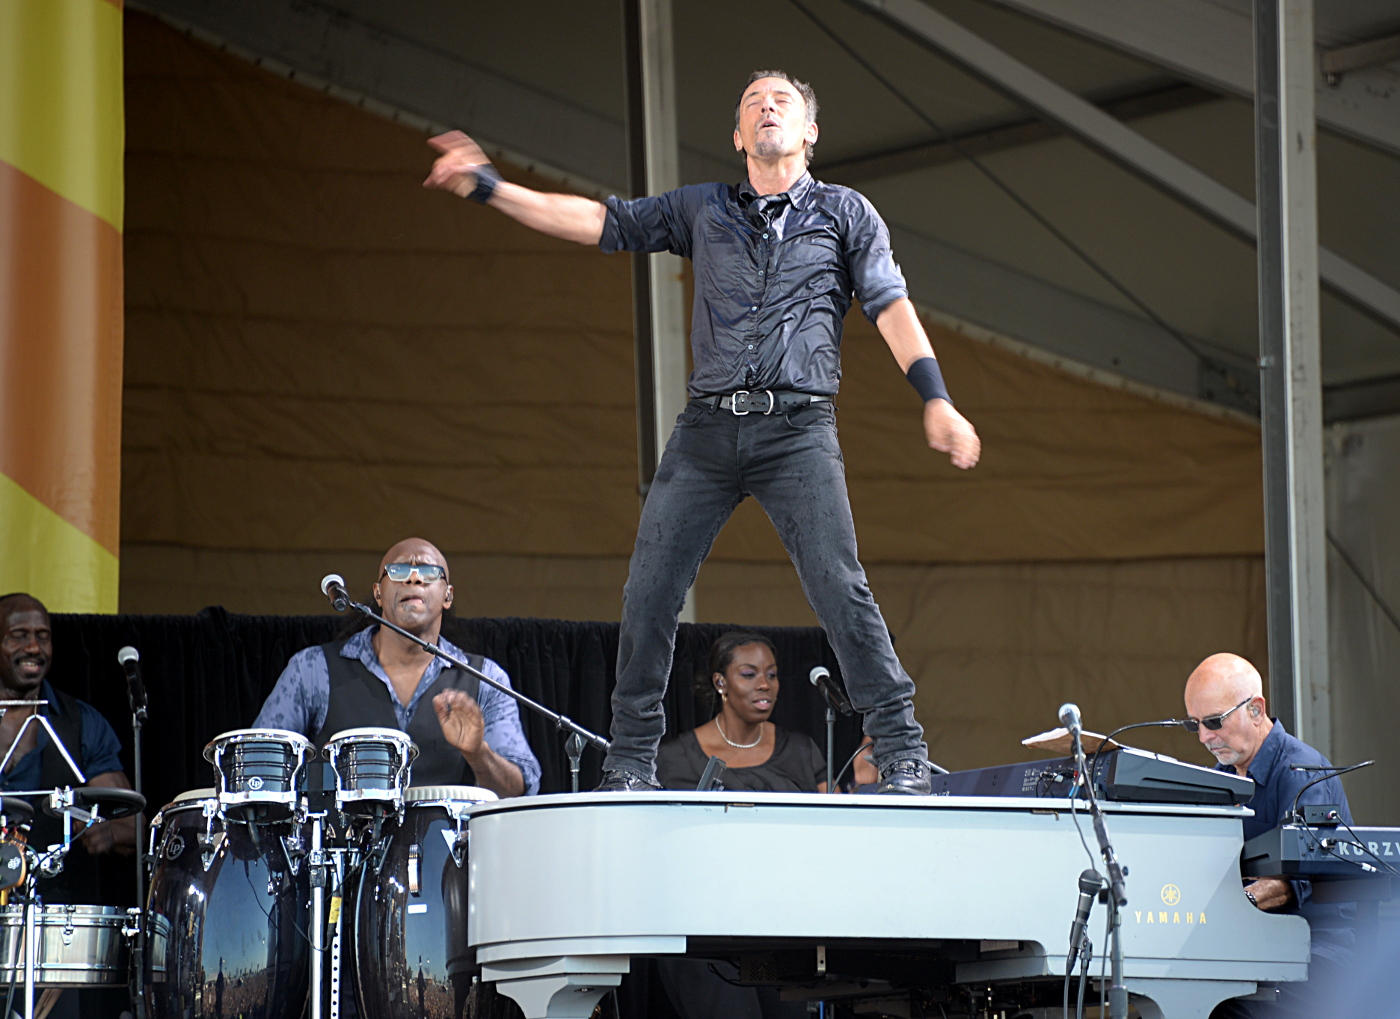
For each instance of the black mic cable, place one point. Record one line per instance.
(1162, 723)
(1333, 773)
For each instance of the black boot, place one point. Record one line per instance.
(615, 780)
(911, 777)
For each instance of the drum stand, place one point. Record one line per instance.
(328, 866)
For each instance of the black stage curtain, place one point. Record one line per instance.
(208, 673)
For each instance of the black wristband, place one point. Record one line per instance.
(487, 178)
(927, 378)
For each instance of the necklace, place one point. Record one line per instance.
(739, 746)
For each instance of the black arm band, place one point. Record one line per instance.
(927, 378)
(486, 180)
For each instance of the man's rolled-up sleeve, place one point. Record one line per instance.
(875, 277)
(652, 223)
(503, 731)
(299, 701)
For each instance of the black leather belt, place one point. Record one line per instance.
(761, 401)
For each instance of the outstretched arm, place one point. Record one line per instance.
(568, 217)
(944, 428)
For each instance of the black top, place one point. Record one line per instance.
(1275, 786)
(359, 698)
(774, 276)
(796, 765)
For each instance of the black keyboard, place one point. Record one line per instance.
(1322, 851)
(1344, 865)
(1125, 776)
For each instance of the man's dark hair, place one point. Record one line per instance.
(808, 94)
(9, 602)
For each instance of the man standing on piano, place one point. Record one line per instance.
(1225, 707)
(778, 258)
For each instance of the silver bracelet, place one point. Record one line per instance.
(1252, 900)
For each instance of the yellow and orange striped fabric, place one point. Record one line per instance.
(61, 142)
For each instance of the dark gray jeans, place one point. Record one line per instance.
(792, 464)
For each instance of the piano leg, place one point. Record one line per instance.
(1183, 999)
(566, 987)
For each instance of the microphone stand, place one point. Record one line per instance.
(1117, 892)
(138, 722)
(830, 748)
(561, 722)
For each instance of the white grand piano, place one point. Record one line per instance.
(953, 897)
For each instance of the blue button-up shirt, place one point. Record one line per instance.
(1275, 787)
(302, 697)
(774, 276)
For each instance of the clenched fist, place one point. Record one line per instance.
(949, 432)
(455, 169)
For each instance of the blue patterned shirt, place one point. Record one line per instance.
(302, 697)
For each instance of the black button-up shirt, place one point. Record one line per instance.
(1276, 785)
(774, 276)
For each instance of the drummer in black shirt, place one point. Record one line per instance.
(762, 757)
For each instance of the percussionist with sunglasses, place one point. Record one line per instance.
(1225, 708)
(472, 734)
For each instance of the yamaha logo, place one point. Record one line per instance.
(1171, 896)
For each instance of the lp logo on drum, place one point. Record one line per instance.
(255, 783)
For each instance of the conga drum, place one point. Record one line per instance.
(407, 907)
(225, 921)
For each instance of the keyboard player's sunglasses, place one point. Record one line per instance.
(1212, 722)
(427, 572)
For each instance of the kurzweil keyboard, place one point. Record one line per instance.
(1344, 864)
(1123, 776)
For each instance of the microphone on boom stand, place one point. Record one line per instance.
(333, 587)
(835, 701)
(820, 678)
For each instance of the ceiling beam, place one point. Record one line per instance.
(1214, 45)
(1173, 175)
(1339, 60)
(951, 149)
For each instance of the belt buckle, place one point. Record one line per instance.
(744, 397)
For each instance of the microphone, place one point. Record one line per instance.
(130, 661)
(1069, 718)
(835, 696)
(333, 587)
(1089, 884)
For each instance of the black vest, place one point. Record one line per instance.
(360, 698)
